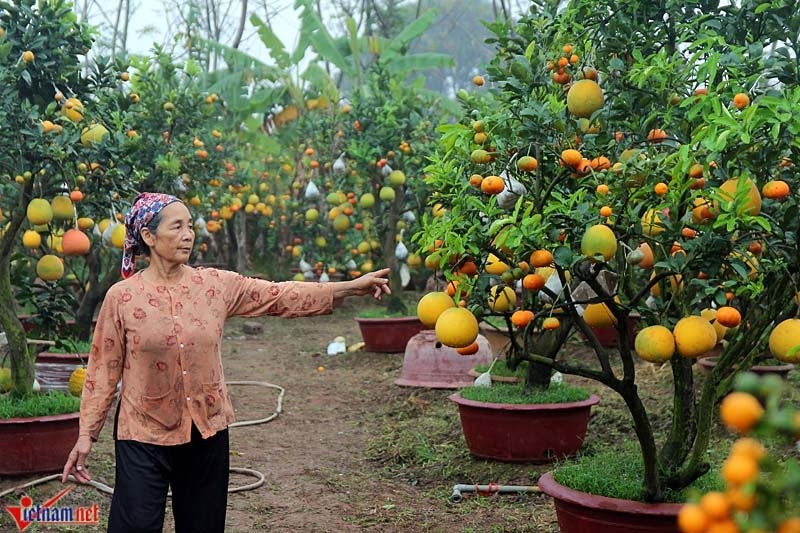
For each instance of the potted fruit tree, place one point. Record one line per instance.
(612, 170)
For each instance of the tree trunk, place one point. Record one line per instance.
(684, 429)
(390, 261)
(241, 241)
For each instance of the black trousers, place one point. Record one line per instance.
(197, 472)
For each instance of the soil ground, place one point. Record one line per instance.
(351, 450)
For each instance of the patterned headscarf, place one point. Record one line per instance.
(145, 206)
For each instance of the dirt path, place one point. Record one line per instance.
(319, 477)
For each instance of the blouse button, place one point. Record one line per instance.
(181, 345)
(175, 317)
(188, 398)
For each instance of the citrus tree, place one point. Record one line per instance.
(628, 164)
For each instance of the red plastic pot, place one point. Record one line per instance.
(580, 512)
(429, 363)
(388, 335)
(39, 444)
(609, 336)
(707, 364)
(498, 339)
(537, 433)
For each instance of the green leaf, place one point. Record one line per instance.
(276, 48)
(413, 30)
(563, 256)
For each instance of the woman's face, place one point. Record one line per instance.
(174, 237)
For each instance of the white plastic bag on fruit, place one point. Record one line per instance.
(400, 251)
(324, 278)
(485, 379)
(304, 265)
(405, 275)
(339, 166)
(312, 191)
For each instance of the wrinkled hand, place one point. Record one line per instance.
(374, 283)
(76, 462)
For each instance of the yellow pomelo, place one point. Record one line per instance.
(746, 257)
(85, 223)
(599, 315)
(652, 223)
(312, 215)
(694, 336)
(73, 109)
(655, 344)
(584, 98)
(93, 134)
(495, 266)
(5, 380)
(752, 202)
(457, 327)
(432, 305)
(675, 283)
(784, 341)
(31, 239)
(54, 241)
(39, 212)
(341, 223)
(501, 298)
(76, 380)
(103, 224)
(50, 268)
(599, 240)
(118, 236)
(62, 208)
(711, 315)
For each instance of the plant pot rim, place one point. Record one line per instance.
(63, 355)
(554, 489)
(591, 400)
(388, 318)
(711, 361)
(43, 418)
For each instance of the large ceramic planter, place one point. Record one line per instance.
(524, 433)
(707, 364)
(54, 369)
(497, 337)
(38, 444)
(579, 512)
(429, 363)
(388, 335)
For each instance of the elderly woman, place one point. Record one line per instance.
(160, 331)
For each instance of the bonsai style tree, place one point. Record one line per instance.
(630, 161)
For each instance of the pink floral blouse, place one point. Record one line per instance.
(164, 343)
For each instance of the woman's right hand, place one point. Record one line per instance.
(76, 463)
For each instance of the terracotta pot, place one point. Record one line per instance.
(54, 369)
(428, 363)
(524, 433)
(38, 444)
(708, 363)
(388, 335)
(497, 337)
(580, 512)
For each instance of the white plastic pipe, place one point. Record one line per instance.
(492, 488)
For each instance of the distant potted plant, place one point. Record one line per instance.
(385, 331)
(664, 190)
(56, 367)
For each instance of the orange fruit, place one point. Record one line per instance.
(478, 80)
(729, 316)
(501, 298)
(457, 327)
(598, 315)
(527, 163)
(655, 344)
(599, 240)
(723, 526)
(739, 469)
(696, 171)
(600, 163)
(715, 505)
(551, 322)
(692, 519)
(431, 306)
(452, 287)
(790, 525)
(605, 211)
(694, 336)
(571, 157)
(584, 97)
(75, 242)
(752, 202)
(492, 185)
(749, 447)
(740, 411)
(775, 190)
(541, 258)
(602, 189)
(741, 100)
(50, 268)
(522, 317)
(741, 499)
(660, 188)
(533, 282)
(784, 341)
(475, 180)
(468, 350)
(656, 135)
(648, 261)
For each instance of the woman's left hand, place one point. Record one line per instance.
(374, 283)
